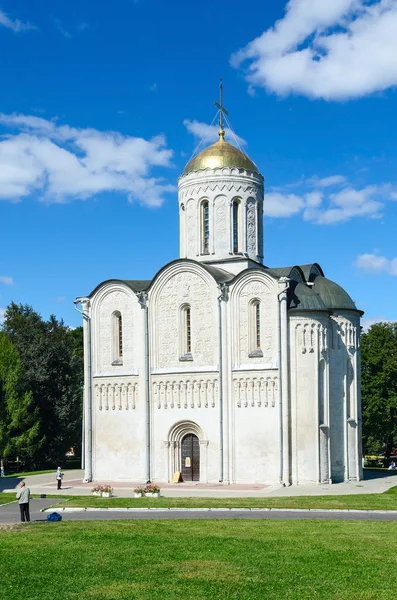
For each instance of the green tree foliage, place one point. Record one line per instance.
(379, 388)
(52, 357)
(19, 419)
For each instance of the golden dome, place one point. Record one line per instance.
(221, 154)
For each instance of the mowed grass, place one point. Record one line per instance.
(198, 560)
(385, 501)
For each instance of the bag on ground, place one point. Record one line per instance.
(54, 517)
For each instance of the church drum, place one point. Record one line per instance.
(190, 458)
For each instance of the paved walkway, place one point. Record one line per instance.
(375, 482)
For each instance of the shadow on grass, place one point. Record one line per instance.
(9, 483)
(378, 474)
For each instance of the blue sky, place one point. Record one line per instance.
(102, 104)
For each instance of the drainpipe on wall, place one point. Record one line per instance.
(87, 407)
(283, 373)
(221, 297)
(142, 299)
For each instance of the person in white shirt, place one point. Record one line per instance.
(59, 476)
(23, 495)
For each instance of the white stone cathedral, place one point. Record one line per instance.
(219, 367)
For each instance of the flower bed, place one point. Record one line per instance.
(106, 491)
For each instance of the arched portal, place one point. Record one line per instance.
(187, 452)
(190, 457)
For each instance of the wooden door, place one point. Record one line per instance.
(190, 455)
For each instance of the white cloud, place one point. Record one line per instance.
(2, 314)
(327, 181)
(328, 200)
(282, 205)
(60, 299)
(14, 24)
(209, 133)
(376, 264)
(62, 163)
(367, 322)
(330, 49)
(6, 280)
(349, 203)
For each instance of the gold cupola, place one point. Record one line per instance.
(219, 155)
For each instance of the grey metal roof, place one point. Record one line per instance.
(220, 275)
(332, 294)
(302, 297)
(136, 285)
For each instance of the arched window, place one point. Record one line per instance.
(188, 330)
(185, 333)
(236, 225)
(255, 328)
(205, 227)
(117, 342)
(257, 325)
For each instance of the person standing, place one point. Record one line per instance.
(23, 495)
(59, 476)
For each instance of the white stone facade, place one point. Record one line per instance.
(256, 368)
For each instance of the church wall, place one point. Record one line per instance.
(255, 429)
(309, 399)
(344, 398)
(118, 426)
(254, 434)
(166, 451)
(118, 389)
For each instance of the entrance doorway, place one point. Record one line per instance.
(190, 455)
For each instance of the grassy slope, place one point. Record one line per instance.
(385, 501)
(199, 560)
(28, 473)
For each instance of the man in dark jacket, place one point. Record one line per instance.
(23, 495)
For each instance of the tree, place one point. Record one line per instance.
(19, 419)
(51, 354)
(379, 388)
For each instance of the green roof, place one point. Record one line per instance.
(332, 294)
(302, 297)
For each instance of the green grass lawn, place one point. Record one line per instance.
(199, 560)
(384, 501)
(27, 473)
(6, 498)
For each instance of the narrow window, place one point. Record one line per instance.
(185, 333)
(255, 329)
(235, 226)
(120, 335)
(258, 325)
(117, 338)
(205, 227)
(188, 331)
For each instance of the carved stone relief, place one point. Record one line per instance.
(187, 393)
(185, 288)
(251, 226)
(255, 391)
(310, 334)
(120, 395)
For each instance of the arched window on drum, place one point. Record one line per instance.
(205, 227)
(236, 226)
